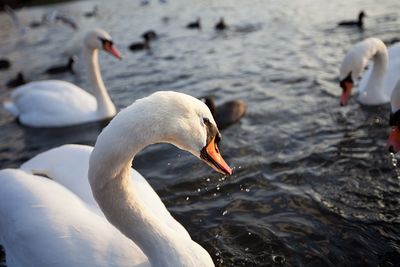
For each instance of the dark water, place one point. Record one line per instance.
(313, 183)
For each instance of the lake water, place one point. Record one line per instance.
(313, 183)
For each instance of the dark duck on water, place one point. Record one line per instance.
(354, 23)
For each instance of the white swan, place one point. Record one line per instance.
(55, 103)
(378, 81)
(56, 222)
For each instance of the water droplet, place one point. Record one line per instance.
(247, 190)
(278, 258)
(249, 233)
(198, 189)
(394, 162)
(187, 198)
(224, 213)
(169, 163)
(208, 179)
(246, 249)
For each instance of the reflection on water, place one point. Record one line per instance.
(313, 182)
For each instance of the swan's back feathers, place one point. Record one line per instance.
(53, 103)
(69, 164)
(44, 224)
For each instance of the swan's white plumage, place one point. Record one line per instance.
(48, 216)
(378, 82)
(44, 224)
(69, 164)
(54, 103)
(392, 73)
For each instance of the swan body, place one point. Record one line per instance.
(378, 82)
(81, 206)
(54, 103)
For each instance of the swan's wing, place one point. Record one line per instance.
(44, 224)
(392, 74)
(53, 103)
(69, 165)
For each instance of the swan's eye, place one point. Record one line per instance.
(106, 42)
(206, 121)
(347, 79)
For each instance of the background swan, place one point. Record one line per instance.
(55, 103)
(377, 83)
(56, 222)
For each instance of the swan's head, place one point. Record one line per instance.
(187, 123)
(354, 63)
(393, 142)
(100, 39)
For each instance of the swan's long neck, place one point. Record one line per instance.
(374, 88)
(105, 107)
(111, 181)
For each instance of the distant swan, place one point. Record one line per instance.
(48, 216)
(55, 103)
(377, 83)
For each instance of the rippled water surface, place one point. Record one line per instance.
(313, 183)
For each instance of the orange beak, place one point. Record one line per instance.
(210, 154)
(393, 142)
(347, 87)
(110, 48)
